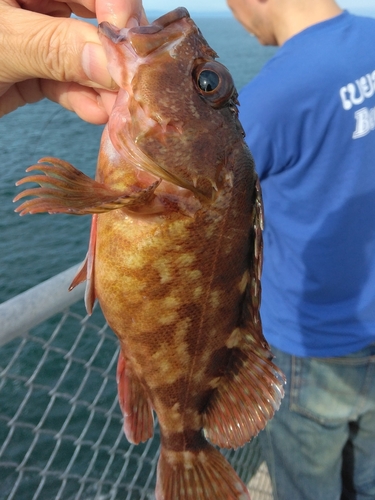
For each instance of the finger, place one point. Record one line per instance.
(15, 96)
(81, 11)
(60, 8)
(85, 102)
(50, 7)
(121, 13)
(46, 47)
(107, 99)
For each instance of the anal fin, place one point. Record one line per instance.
(246, 398)
(135, 406)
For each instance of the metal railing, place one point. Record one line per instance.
(60, 424)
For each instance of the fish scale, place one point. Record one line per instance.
(175, 254)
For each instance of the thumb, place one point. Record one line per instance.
(62, 49)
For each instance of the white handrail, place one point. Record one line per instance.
(28, 309)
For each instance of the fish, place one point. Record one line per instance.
(175, 254)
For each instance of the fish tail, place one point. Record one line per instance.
(197, 475)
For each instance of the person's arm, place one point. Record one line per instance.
(44, 53)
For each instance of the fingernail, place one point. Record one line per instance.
(94, 64)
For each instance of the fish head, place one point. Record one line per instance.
(175, 115)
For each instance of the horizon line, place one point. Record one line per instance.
(361, 11)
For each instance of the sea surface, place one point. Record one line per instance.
(34, 248)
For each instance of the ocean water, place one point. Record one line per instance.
(34, 248)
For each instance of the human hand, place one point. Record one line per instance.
(43, 53)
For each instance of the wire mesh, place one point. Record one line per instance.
(60, 424)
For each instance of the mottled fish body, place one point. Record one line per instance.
(175, 254)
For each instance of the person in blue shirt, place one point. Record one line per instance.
(309, 118)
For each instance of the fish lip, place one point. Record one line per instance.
(110, 31)
(171, 17)
(119, 35)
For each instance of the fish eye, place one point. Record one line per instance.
(214, 83)
(208, 80)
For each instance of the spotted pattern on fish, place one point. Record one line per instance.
(175, 255)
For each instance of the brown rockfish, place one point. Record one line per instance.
(175, 254)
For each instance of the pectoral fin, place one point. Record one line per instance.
(64, 189)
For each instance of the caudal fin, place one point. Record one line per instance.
(197, 475)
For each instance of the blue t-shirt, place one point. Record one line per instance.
(309, 118)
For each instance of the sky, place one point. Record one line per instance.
(355, 6)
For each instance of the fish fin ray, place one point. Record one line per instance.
(80, 276)
(201, 475)
(65, 189)
(134, 404)
(90, 294)
(254, 288)
(246, 398)
(87, 270)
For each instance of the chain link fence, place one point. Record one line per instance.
(61, 431)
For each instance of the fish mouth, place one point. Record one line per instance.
(146, 39)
